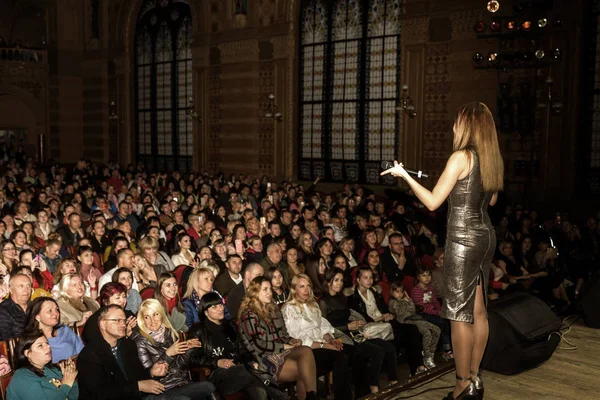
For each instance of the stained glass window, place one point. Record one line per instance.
(350, 64)
(163, 67)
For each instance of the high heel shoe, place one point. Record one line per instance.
(468, 393)
(478, 383)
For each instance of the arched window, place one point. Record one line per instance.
(349, 84)
(163, 77)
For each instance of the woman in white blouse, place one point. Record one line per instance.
(303, 321)
(183, 255)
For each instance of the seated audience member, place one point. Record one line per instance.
(303, 320)
(41, 277)
(274, 259)
(315, 269)
(423, 295)
(44, 314)
(88, 271)
(231, 277)
(36, 376)
(125, 277)
(51, 254)
(233, 368)
(167, 294)
(294, 266)
(159, 343)
(372, 307)
(280, 288)
(109, 364)
(199, 283)
(125, 259)
(75, 306)
(111, 293)
(263, 332)
(13, 310)
(396, 263)
(405, 312)
(149, 250)
(236, 296)
(182, 253)
(376, 352)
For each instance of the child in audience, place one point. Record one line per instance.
(404, 310)
(423, 295)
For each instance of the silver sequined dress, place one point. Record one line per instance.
(470, 245)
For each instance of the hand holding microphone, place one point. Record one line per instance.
(398, 170)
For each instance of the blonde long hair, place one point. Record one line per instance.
(474, 128)
(153, 306)
(252, 303)
(293, 299)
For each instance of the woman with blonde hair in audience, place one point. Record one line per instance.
(199, 283)
(294, 266)
(149, 249)
(346, 247)
(304, 321)
(263, 331)
(75, 306)
(159, 342)
(167, 294)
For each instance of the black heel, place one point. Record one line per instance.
(478, 382)
(469, 393)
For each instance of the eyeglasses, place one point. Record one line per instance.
(117, 320)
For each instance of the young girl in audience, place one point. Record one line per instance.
(423, 295)
(404, 310)
(280, 290)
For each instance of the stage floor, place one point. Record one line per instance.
(569, 374)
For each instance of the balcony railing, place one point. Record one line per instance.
(21, 54)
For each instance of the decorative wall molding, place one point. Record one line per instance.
(283, 46)
(415, 30)
(239, 52)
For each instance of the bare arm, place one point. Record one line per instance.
(457, 164)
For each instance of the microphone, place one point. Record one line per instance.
(418, 174)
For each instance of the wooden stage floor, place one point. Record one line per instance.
(569, 374)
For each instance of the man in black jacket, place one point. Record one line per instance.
(237, 294)
(13, 310)
(395, 262)
(109, 366)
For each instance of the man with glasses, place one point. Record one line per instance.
(396, 263)
(109, 365)
(13, 310)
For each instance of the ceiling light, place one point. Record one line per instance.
(493, 6)
(479, 27)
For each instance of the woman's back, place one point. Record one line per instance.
(468, 202)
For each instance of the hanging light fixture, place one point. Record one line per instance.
(477, 58)
(495, 26)
(492, 57)
(493, 6)
(540, 54)
(542, 22)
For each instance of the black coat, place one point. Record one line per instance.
(101, 378)
(204, 356)
(12, 319)
(356, 303)
(151, 353)
(391, 270)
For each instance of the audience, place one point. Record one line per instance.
(37, 377)
(13, 310)
(44, 315)
(159, 344)
(70, 232)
